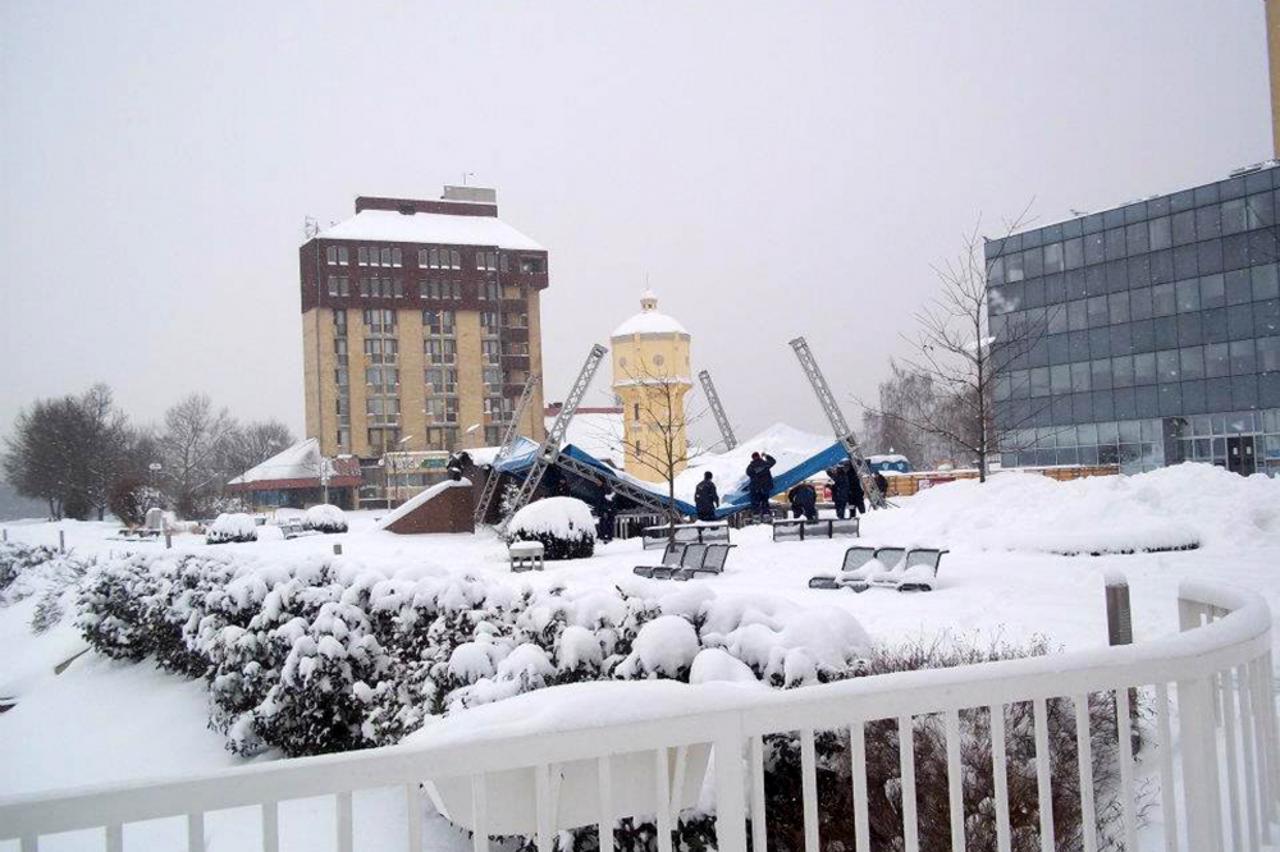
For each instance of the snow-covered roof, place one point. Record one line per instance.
(650, 320)
(394, 226)
(301, 461)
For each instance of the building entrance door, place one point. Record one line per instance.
(1240, 458)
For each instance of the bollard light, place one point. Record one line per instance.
(337, 548)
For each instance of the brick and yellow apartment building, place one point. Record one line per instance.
(420, 323)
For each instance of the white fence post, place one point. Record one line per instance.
(1199, 764)
(731, 805)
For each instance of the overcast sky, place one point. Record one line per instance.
(770, 169)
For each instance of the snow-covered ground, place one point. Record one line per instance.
(101, 720)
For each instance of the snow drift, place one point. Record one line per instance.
(1173, 507)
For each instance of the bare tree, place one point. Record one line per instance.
(964, 357)
(662, 415)
(190, 445)
(246, 446)
(906, 399)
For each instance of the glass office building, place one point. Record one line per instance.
(1156, 332)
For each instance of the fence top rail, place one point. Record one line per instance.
(680, 714)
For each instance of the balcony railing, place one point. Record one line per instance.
(536, 783)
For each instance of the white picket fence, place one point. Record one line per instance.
(1219, 792)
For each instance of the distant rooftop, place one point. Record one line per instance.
(1259, 177)
(465, 215)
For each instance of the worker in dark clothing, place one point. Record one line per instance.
(804, 501)
(760, 483)
(841, 487)
(881, 483)
(706, 498)
(857, 496)
(606, 510)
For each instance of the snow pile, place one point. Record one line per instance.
(665, 647)
(418, 499)
(232, 526)
(326, 518)
(564, 525)
(1174, 507)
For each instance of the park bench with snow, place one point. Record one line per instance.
(900, 568)
(686, 561)
(698, 532)
(799, 529)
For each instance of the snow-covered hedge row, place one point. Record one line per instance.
(324, 655)
(564, 525)
(232, 526)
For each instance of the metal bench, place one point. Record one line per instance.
(702, 532)
(907, 570)
(526, 555)
(686, 561)
(712, 562)
(798, 529)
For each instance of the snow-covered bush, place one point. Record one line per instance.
(16, 558)
(113, 610)
(317, 705)
(564, 525)
(232, 526)
(326, 519)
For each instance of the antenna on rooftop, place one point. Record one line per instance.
(466, 175)
(310, 226)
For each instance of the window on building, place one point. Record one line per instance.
(489, 321)
(532, 264)
(1243, 361)
(340, 377)
(455, 259)
(386, 256)
(456, 290)
(331, 255)
(441, 380)
(343, 256)
(438, 321)
(442, 409)
(1217, 362)
(1268, 354)
(489, 291)
(503, 263)
(397, 288)
(487, 260)
(441, 350)
(362, 256)
(380, 320)
(491, 350)
(396, 257)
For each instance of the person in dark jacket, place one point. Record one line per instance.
(706, 498)
(804, 501)
(606, 510)
(857, 496)
(760, 483)
(882, 484)
(841, 487)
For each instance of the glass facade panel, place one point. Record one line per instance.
(1167, 308)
